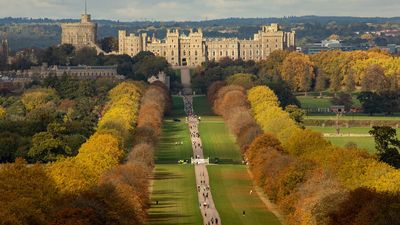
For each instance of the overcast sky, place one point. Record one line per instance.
(129, 10)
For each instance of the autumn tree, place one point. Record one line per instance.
(298, 71)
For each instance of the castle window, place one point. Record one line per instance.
(233, 52)
(220, 53)
(184, 52)
(172, 52)
(195, 53)
(213, 53)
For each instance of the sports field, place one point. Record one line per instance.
(313, 102)
(175, 190)
(352, 117)
(231, 187)
(367, 143)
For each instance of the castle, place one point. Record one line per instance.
(180, 49)
(193, 49)
(82, 34)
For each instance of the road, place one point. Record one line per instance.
(206, 203)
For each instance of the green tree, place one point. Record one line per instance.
(296, 114)
(387, 145)
(109, 44)
(8, 146)
(47, 148)
(370, 102)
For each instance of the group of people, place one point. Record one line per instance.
(203, 188)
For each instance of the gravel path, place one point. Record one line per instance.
(206, 203)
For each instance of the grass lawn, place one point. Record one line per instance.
(177, 107)
(218, 142)
(230, 187)
(175, 190)
(167, 151)
(201, 106)
(367, 143)
(312, 102)
(351, 117)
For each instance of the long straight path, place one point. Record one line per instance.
(206, 202)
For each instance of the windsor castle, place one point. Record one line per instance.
(184, 50)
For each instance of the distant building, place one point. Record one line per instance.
(194, 49)
(162, 77)
(325, 45)
(82, 34)
(80, 72)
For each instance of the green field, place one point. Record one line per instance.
(201, 106)
(230, 187)
(174, 189)
(218, 142)
(312, 102)
(352, 117)
(367, 143)
(177, 107)
(167, 151)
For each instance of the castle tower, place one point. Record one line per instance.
(82, 34)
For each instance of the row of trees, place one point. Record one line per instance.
(310, 180)
(92, 188)
(372, 70)
(314, 178)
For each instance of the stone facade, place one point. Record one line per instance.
(80, 72)
(194, 49)
(82, 34)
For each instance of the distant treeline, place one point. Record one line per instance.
(44, 32)
(218, 22)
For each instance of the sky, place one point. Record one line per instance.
(183, 10)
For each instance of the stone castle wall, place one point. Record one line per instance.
(82, 34)
(194, 49)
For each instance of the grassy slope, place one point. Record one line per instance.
(167, 151)
(202, 107)
(218, 142)
(230, 186)
(230, 183)
(174, 185)
(174, 188)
